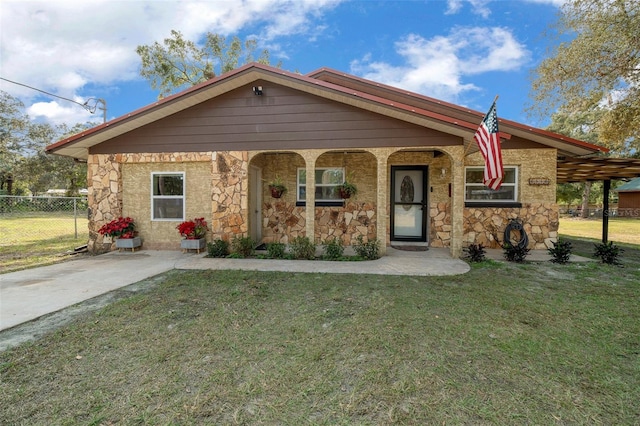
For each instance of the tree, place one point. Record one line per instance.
(577, 125)
(13, 125)
(597, 69)
(22, 155)
(178, 63)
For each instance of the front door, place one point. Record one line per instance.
(409, 207)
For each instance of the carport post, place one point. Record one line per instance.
(605, 211)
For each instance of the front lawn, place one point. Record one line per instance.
(621, 229)
(502, 344)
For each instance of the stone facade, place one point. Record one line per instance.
(217, 188)
(441, 227)
(283, 221)
(347, 223)
(538, 212)
(486, 225)
(104, 197)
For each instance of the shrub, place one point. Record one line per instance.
(276, 250)
(475, 253)
(515, 253)
(608, 253)
(302, 248)
(243, 246)
(369, 250)
(333, 249)
(561, 252)
(218, 248)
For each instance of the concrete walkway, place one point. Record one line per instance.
(32, 293)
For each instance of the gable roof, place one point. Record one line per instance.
(329, 84)
(631, 186)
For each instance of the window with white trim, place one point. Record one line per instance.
(476, 191)
(327, 182)
(167, 196)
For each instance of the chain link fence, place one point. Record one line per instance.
(33, 219)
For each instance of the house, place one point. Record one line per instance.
(629, 198)
(210, 151)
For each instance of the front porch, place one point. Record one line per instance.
(377, 211)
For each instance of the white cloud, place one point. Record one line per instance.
(57, 113)
(557, 3)
(437, 66)
(479, 7)
(453, 7)
(61, 46)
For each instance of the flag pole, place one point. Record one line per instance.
(466, 150)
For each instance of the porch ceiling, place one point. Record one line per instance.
(593, 169)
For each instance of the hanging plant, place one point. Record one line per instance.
(277, 187)
(347, 189)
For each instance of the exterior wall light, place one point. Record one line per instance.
(257, 90)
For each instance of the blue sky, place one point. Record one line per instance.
(460, 51)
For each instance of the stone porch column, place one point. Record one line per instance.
(457, 198)
(381, 200)
(310, 158)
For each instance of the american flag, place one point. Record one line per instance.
(489, 143)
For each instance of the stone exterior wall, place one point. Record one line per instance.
(215, 189)
(531, 163)
(136, 199)
(486, 225)
(346, 223)
(229, 198)
(283, 221)
(539, 212)
(104, 198)
(440, 225)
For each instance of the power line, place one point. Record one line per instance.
(84, 105)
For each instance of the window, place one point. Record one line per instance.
(167, 199)
(476, 192)
(327, 182)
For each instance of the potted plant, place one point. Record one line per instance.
(193, 234)
(277, 187)
(347, 189)
(123, 230)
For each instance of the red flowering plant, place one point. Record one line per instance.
(122, 227)
(193, 229)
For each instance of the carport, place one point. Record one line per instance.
(598, 169)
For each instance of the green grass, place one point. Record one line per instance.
(621, 230)
(38, 239)
(503, 344)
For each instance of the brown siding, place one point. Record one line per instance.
(629, 200)
(282, 118)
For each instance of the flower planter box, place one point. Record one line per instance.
(128, 243)
(196, 245)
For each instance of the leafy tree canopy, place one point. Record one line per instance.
(598, 69)
(177, 63)
(22, 155)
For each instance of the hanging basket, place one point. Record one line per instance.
(344, 194)
(277, 191)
